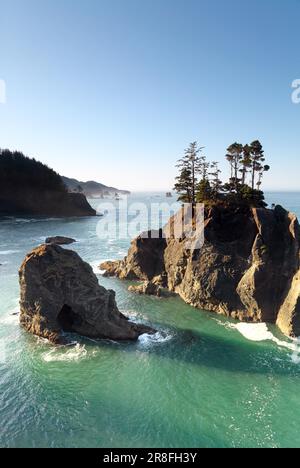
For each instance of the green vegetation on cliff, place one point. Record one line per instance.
(199, 180)
(31, 188)
(17, 170)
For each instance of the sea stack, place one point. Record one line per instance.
(60, 293)
(247, 269)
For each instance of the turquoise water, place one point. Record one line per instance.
(201, 382)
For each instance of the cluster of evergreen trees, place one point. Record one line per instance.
(18, 172)
(199, 180)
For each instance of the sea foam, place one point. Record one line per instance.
(146, 339)
(259, 332)
(95, 267)
(8, 252)
(60, 354)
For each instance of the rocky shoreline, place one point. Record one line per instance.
(247, 269)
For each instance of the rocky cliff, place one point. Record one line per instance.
(25, 201)
(29, 187)
(60, 293)
(247, 268)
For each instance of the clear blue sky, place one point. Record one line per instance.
(114, 90)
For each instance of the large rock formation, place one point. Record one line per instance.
(60, 293)
(247, 268)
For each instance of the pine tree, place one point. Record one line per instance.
(204, 168)
(261, 172)
(190, 165)
(216, 183)
(235, 156)
(184, 185)
(257, 158)
(246, 163)
(204, 192)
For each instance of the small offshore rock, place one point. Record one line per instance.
(60, 240)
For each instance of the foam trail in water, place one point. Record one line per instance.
(76, 353)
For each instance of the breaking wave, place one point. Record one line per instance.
(147, 340)
(259, 332)
(95, 267)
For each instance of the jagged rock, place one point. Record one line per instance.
(148, 288)
(145, 259)
(247, 268)
(60, 293)
(60, 240)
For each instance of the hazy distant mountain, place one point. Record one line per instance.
(91, 188)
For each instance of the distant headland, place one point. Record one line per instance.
(92, 189)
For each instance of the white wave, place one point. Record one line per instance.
(146, 339)
(21, 220)
(95, 267)
(254, 331)
(35, 220)
(62, 354)
(259, 332)
(40, 239)
(296, 355)
(9, 320)
(11, 317)
(8, 252)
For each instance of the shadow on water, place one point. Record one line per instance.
(202, 349)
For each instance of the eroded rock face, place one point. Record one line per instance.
(248, 267)
(148, 288)
(60, 293)
(145, 259)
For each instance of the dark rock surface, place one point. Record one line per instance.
(60, 240)
(44, 203)
(60, 293)
(248, 267)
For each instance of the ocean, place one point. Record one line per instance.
(202, 381)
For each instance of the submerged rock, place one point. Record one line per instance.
(247, 268)
(60, 240)
(60, 293)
